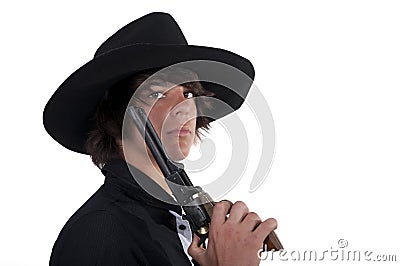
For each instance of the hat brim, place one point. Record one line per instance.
(68, 114)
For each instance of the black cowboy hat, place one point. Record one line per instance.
(152, 41)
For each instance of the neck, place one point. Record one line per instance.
(147, 164)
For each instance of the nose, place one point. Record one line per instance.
(182, 108)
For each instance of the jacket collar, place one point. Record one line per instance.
(138, 185)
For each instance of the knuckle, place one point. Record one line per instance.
(253, 216)
(240, 203)
(241, 206)
(219, 207)
(268, 225)
(222, 205)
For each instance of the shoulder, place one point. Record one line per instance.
(109, 230)
(96, 238)
(94, 224)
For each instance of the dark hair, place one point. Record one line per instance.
(102, 142)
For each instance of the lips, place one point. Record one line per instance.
(180, 131)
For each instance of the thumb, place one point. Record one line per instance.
(196, 252)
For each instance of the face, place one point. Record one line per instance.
(172, 111)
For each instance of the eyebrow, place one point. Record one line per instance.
(163, 86)
(145, 89)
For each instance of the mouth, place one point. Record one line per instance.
(180, 131)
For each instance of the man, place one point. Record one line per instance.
(131, 219)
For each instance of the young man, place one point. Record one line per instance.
(131, 220)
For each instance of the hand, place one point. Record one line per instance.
(234, 240)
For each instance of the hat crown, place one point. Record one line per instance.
(156, 28)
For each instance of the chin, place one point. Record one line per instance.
(178, 154)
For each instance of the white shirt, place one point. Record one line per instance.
(184, 233)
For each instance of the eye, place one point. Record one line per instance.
(189, 94)
(157, 95)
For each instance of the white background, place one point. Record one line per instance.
(328, 69)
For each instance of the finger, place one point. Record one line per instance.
(196, 252)
(238, 212)
(251, 221)
(266, 227)
(220, 210)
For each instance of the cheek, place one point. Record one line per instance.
(157, 118)
(194, 115)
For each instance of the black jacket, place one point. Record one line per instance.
(121, 224)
